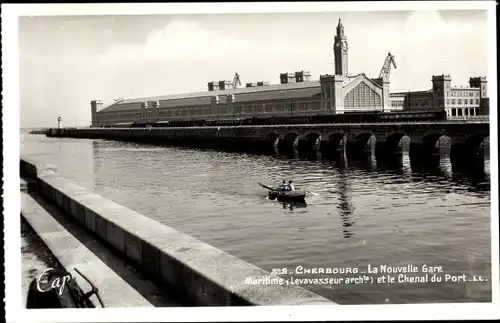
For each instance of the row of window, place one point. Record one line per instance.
(468, 93)
(279, 107)
(465, 101)
(458, 93)
(440, 102)
(458, 112)
(398, 103)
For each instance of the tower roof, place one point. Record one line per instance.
(340, 29)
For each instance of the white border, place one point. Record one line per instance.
(14, 309)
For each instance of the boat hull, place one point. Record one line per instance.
(287, 195)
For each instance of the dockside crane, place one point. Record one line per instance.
(236, 80)
(386, 68)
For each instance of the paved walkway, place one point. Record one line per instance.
(47, 233)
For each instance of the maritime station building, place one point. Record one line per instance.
(296, 94)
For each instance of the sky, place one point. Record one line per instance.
(67, 61)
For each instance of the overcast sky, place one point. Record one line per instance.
(65, 62)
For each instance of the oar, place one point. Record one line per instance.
(264, 186)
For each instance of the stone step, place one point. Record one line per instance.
(27, 185)
(71, 253)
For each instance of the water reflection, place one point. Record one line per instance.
(487, 167)
(373, 160)
(406, 164)
(445, 166)
(293, 205)
(472, 174)
(396, 164)
(344, 199)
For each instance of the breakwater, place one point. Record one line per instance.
(465, 138)
(39, 132)
(198, 272)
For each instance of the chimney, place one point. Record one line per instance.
(283, 78)
(302, 76)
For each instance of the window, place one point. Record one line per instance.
(447, 101)
(362, 96)
(459, 101)
(452, 101)
(459, 112)
(470, 101)
(471, 94)
(477, 101)
(466, 101)
(453, 112)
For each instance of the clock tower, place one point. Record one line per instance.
(340, 51)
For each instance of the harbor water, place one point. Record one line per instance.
(358, 212)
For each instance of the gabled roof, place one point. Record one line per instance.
(259, 93)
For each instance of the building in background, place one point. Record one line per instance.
(298, 95)
(456, 101)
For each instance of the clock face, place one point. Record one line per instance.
(337, 44)
(344, 44)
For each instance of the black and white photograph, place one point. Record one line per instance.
(250, 161)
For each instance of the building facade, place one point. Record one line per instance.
(342, 92)
(297, 95)
(456, 101)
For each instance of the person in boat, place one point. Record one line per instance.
(291, 186)
(282, 186)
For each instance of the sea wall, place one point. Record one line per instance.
(199, 273)
(325, 138)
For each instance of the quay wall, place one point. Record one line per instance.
(465, 136)
(199, 273)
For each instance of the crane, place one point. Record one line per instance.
(386, 68)
(236, 80)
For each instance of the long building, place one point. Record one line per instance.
(456, 101)
(296, 95)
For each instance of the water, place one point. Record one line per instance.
(360, 212)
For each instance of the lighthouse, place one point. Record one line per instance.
(59, 122)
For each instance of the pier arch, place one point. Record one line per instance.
(474, 145)
(290, 141)
(397, 141)
(475, 142)
(436, 142)
(366, 141)
(273, 139)
(337, 142)
(312, 142)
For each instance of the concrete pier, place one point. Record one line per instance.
(197, 273)
(326, 138)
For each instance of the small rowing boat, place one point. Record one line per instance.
(280, 194)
